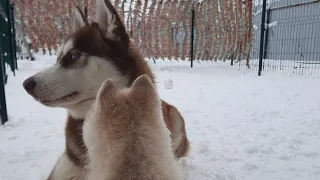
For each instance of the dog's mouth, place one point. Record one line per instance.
(67, 97)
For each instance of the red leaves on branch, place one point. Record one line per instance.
(162, 28)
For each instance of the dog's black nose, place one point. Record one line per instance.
(29, 84)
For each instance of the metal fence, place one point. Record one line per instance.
(169, 37)
(291, 38)
(7, 52)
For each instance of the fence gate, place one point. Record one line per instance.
(7, 51)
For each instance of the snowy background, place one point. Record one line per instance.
(241, 126)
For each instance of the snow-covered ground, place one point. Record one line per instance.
(241, 126)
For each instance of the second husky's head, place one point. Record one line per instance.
(92, 53)
(121, 111)
(117, 112)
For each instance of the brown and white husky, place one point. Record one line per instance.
(126, 136)
(91, 54)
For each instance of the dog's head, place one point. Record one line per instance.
(122, 109)
(117, 113)
(91, 54)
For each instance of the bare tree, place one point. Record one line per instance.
(143, 29)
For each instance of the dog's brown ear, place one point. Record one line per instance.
(79, 19)
(107, 94)
(143, 88)
(109, 22)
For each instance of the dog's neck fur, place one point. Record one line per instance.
(79, 111)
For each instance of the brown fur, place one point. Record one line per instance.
(125, 55)
(176, 125)
(126, 136)
(75, 147)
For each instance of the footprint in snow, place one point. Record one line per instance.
(311, 154)
(249, 167)
(203, 149)
(252, 150)
(284, 157)
(12, 138)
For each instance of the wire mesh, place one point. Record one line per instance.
(292, 37)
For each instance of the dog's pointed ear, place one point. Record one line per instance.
(107, 94)
(79, 19)
(143, 88)
(109, 21)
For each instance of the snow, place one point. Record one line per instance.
(168, 84)
(275, 23)
(28, 39)
(241, 126)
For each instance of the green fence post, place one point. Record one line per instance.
(7, 52)
(9, 35)
(192, 36)
(3, 105)
(14, 42)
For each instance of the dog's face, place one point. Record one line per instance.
(93, 53)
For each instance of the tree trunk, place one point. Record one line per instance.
(23, 30)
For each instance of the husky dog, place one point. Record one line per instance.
(126, 136)
(91, 54)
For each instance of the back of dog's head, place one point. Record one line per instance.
(140, 102)
(142, 95)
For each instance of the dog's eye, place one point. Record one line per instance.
(74, 55)
(70, 58)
